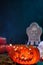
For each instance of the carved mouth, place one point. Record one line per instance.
(26, 59)
(29, 59)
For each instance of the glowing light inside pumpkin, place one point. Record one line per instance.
(24, 55)
(10, 45)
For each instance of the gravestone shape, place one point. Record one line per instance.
(33, 32)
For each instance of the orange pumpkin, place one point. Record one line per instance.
(23, 54)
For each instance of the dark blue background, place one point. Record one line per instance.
(17, 15)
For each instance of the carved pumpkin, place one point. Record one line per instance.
(23, 54)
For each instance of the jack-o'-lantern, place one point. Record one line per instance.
(23, 54)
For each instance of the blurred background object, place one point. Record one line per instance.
(34, 32)
(3, 41)
(17, 15)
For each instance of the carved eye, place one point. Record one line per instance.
(31, 53)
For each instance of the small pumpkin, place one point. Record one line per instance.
(2, 49)
(3, 41)
(2, 44)
(23, 54)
